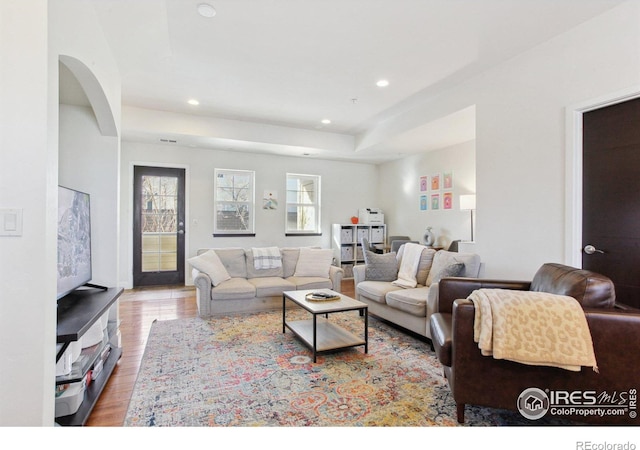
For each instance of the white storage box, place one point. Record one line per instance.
(70, 400)
(377, 235)
(346, 235)
(346, 253)
(95, 334)
(70, 355)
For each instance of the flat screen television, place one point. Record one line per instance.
(74, 240)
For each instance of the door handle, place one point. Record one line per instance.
(590, 250)
(180, 231)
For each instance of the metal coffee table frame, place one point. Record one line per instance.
(318, 333)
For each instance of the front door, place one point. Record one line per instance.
(611, 196)
(158, 235)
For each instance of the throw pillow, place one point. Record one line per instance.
(314, 262)
(209, 263)
(444, 265)
(380, 267)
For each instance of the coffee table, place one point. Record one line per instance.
(318, 333)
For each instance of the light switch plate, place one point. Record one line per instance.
(10, 222)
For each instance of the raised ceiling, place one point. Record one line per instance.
(289, 64)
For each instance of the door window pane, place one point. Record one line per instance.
(159, 223)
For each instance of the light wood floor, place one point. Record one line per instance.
(138, 309)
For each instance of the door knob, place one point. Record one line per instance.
(180, 231)
(590, 250)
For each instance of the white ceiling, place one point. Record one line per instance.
(292, 63)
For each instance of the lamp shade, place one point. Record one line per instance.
(468, 201)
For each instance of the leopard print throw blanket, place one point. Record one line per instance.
(535, 328)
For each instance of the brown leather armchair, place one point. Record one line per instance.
(475, 379)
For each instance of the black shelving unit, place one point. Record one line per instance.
(77, 312)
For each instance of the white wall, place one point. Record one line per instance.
(520, 134)
(89, 163)
(345, 188)
(28, 170)
(399, 193)
(33, 35)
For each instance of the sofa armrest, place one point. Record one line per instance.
(454, 288)
(358, 274)
(203, 285)
(335, 274)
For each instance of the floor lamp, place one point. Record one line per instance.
(468, 203)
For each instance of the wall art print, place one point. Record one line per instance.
(435, 182)
(447, 180)
(270, 200)
(424, 202)
(423, 184)
(447, 200)
(435, 201)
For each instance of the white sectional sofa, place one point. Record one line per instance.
(227, 280)
(409, 307)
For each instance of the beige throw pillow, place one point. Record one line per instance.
(314, 262)
(210, 263)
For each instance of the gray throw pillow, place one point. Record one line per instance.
(380, 267)
(454, 269)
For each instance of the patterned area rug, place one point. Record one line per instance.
(241, 370)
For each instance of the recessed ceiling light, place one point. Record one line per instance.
(326, 121)
(382, 83)
(193, 102)
(206, 10)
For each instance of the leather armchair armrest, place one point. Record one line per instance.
(454, 288)
(441, 336)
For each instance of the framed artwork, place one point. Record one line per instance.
(423, 203)
(435, 201)
(447, 180)
(435, 182)
(447, 200)
(270, 200)
(423, 184)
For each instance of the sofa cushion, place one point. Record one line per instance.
(232, 289)
(234, 261)
(302, 283)
(314, 262)
(289, 261)
(271, 286)
(376, 290)
(411, 301)
(210, 263)
(380, 267)
(453, 264)
(424, 265)
(252, 272)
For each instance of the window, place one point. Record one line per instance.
(303, 204)
(234, 202)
